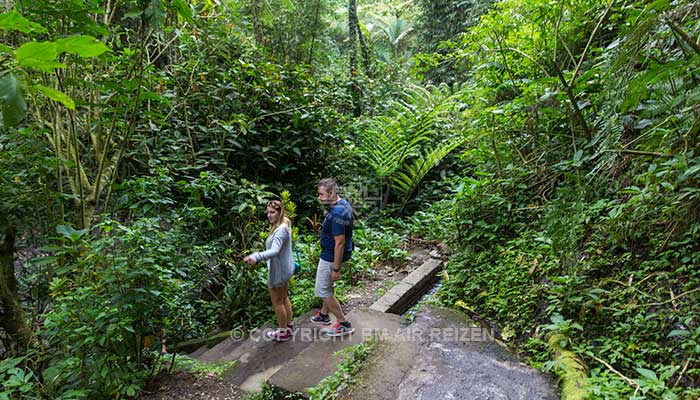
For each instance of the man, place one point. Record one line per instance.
(336, 249)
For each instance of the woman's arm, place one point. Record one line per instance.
(278, 238)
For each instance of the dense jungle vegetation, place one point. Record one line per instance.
(554, 145)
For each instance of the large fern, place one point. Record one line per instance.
(407, 179)
(403, 145)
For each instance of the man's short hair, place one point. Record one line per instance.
(329, 184)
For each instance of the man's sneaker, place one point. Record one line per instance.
(278, 335)
(322, 319)
(340, 329)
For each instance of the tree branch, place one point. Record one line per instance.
(572, 99)
(616, 372)
(590, 40)
(695, 46)
(639, 153)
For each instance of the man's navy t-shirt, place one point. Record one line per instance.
(338, 221)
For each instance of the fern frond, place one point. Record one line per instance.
(388, 142)
(407, 179)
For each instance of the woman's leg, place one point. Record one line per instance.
(287, 305)
(277, 298)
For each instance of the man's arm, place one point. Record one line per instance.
(338, 250)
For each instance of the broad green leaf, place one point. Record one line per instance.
(690, 172)
(14, 108)
(659, 5)
(69, 233)
(56, 95)
(678, 332)
(647, 373)
(8, 363)
(182, 9)
(155, 14)
(13, 21)
(85, 46)
(615, 212)
(39, 55)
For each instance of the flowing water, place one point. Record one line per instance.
(426, 297)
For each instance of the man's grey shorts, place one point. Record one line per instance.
(324, 280)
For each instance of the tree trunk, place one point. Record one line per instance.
(365, 51)
(355, 92)
(255, 9)
(317, 18)
(11, 313)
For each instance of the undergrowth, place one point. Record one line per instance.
(623, 269)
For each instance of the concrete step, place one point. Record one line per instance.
(221, 351)
(198, 353)
(402, 296)
(257, 357)
(319, 360)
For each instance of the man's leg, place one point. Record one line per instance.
(323, 289)
(332, 304)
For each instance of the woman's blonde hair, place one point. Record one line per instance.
(281, 217)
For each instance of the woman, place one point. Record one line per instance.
(280, 268)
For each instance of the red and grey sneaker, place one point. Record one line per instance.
(321, 318)
(278, 335)
(291, 329)
(340, 329)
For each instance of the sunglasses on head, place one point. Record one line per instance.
(276, 204)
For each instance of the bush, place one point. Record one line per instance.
(118, 288)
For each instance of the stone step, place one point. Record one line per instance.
(222, 350)
(402, 296)
(320, 360)
(257, 357)
(198, 353)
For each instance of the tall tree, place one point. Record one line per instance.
(444, 20)
(11, 313)
(89, 119)
(353, 31)
(255, 12)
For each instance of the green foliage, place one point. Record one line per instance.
(393, 38)
(16, 381)
(574, 203)
(404, 145)
(570, 368)
(375, 247)
(23, 163)
(246, 117)
(203, 369)
(244, 300)
(114, 292)
(440, 22)
(291, 31)
(611, 283)
(42, 56)
(353, 357)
